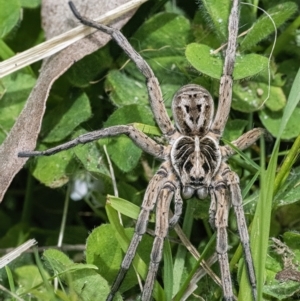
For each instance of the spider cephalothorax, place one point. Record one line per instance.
(194, 162)
(193, 110)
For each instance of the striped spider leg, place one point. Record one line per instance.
(194, 164)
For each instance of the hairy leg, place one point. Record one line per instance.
(161, 231)
(236, 199)
(221, 205)
(225, 91)
(155, 94)
(139, 138)
(244, 142)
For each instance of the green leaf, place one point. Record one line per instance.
(277, 99)
(263, 27)
(30, 3)
(250, 97)
(91, 155)
(16, 89)
(289, 193)
(167, 30)
(54, 171)
(271, 120)
(27, 276)
(234, 129)
(103, 251)
(93, 65)
(65, 117)
(57, 260)
(219, 12)
(123, 152)
(131, 114)
(201, 58)
(10, 13)
(84, 280)
(124, 90)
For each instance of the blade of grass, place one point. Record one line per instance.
(261, 222)
(10, 280)
(168, 271)
(46, 283)
(126, 208)
(245, 157)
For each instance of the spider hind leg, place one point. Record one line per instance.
(225, 192)
(159, 194)
(219, 211)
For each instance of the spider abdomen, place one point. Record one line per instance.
(195, 160)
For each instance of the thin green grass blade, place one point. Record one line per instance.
(168, 271)
(245, 157)
(250, 184)
(43, 275)
(10, 280)
(126, 208)
(261, 222)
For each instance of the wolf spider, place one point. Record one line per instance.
(194, 163)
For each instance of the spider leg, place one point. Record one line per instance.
(236, 199)
(155, 94)
(178, 202)
(220, 208)
(244, 141)
(151, 196)
(139, 138)
(225, 91)
(161, 231)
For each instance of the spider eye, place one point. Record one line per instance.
(202, 193)
(187, 192)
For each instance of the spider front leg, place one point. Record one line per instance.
(244, 141)
(226, 82)
(139, 138)
(154, 91)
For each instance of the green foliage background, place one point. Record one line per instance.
(106, 89)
